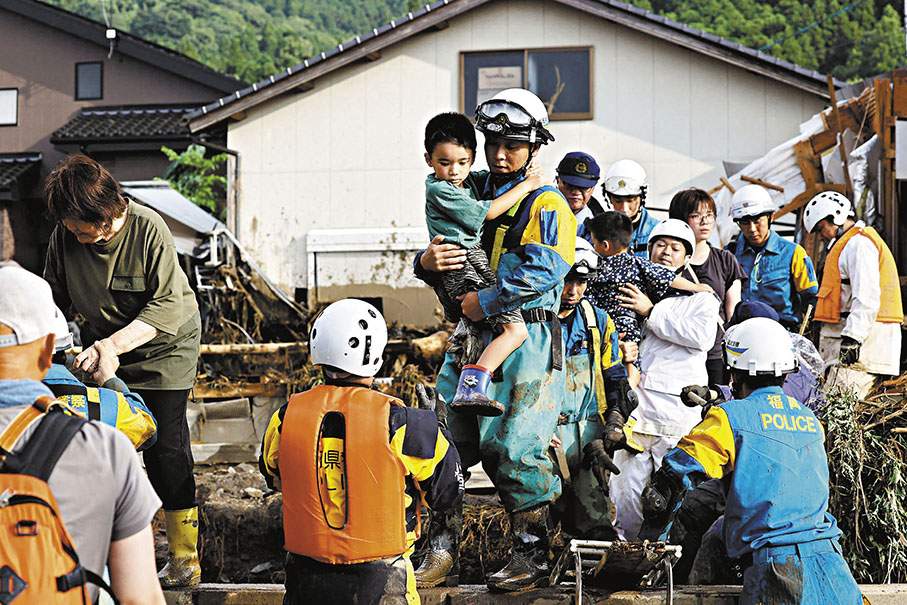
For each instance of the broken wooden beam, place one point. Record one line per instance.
(761, 183)
(725, 182)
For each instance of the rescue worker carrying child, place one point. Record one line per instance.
(357, 465)
(531, 248)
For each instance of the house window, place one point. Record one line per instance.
(9, 106)
(89, 81)
(561, 77)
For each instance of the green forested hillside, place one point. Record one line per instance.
(252, 39)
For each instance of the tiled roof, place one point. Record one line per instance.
(14, 165)
(125, 123)
(728, 47)
(127, 44)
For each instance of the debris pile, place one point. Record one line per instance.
(866, 443)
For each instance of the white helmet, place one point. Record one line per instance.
(626, 178)
(585, 263)
(751, 200)
(828, 204)
(677, 229)
(349, 335)
(760, 347)
(515, 114)
(62, 335)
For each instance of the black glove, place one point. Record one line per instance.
(850, 351)
(597, 459)
(428, 398)
(659, 502)
(623, 398)
(695, 395)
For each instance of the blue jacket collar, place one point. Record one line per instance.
(772, 246)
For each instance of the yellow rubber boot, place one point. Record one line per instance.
(182, 568)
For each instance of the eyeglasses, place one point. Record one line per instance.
(708, 217)
(747, 220)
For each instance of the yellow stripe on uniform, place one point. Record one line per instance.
(711, 444)
(136, 424)
(552, 216)
(270, 447)
(803, 277)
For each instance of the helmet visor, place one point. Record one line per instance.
(504, 113)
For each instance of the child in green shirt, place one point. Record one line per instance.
(453, 208)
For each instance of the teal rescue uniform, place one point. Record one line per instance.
(583, 508)
(769, 449)
(781, 275)
(536, 253)
(642, 228)
(114, 405)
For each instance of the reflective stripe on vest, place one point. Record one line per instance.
(595, 344)
(503, 238)
(81, 397)
(828, 307)
(368, 522)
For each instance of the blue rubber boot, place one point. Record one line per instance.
(471, 397)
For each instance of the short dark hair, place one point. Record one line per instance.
(612, 226)
(686, 202)
(756, 382)
(450, 127)
(81, 189)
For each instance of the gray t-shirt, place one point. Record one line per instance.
(100, 487)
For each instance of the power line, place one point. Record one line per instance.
(812, 25)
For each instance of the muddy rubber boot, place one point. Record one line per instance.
(441, 565)
(528, 567)
(182, 568)
(471, 395)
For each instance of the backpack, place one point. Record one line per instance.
(38, 563)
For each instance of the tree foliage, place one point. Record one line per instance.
(863, 41)
(252, 39)
(194, 176)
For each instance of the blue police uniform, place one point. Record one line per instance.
(538, 251)
(639, 244)
(116, 406)
(770, 450)
(584, 509)
(781, 275)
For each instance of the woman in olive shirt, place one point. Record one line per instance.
(115, 263)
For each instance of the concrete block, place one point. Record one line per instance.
(229, 408)
(224, 453)
(228, 430)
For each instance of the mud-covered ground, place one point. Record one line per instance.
(242, 532)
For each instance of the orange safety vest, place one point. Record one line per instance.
(343, 486)
(828, 307)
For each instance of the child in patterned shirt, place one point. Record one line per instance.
(611, 235)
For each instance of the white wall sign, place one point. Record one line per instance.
(499, 78)
(9, 101)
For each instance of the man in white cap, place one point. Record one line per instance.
(104, 497)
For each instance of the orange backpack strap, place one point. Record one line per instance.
(22, 421)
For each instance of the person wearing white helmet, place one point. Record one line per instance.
(531, 249)
(625, 187)
(713, 266)
(680, 330)
(859, 306)
(596, 383)
(357, 465)
(769, 450)
(777, 272)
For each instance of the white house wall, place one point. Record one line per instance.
(348, 154)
